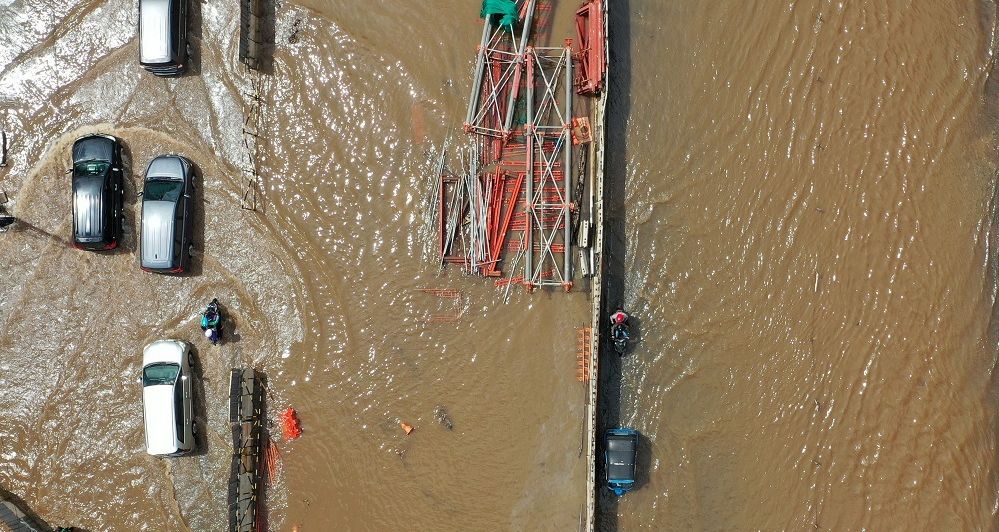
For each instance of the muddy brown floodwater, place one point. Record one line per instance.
(801, 218)
(808, 237)
(320, 283)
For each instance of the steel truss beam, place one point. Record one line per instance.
(498, 71)
(549, 163)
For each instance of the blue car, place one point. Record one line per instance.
(622, 449)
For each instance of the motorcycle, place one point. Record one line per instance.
(211, 322)
(620, 334)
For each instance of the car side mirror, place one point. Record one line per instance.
(117, 169)
(187, 196)
(183, 377)
(138, 194)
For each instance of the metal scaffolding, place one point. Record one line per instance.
(480, 208)
(246, 419)
(509, 207)
(249, 181)
(499, 67)
(549, 160)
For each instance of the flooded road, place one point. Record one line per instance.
(801, 218)
(807, 238)
(321, 283)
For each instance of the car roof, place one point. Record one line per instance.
(88, 202)
(159, 416)
(158, 227)
(621, 450)
(154, 31)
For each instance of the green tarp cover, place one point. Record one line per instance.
(506, 9)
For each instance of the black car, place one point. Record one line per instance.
(98, 192)
(166, 215)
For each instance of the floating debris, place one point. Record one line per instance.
(406, 427)
(271, 457)
(291, 427)
(296, 29)
(440, 414)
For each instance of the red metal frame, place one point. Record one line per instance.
(591, 56)
(512, 199)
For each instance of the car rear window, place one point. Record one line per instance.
(161, 373)
(160, 190)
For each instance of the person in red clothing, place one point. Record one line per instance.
(619, 330)
(619, 317)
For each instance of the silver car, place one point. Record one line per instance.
(167, 202)
(167, 406)
(163, 36)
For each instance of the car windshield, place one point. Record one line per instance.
(161, 373)
(161, 190)
(90, 168)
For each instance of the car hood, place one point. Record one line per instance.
(171, 167)
(157, 233)
(93, 149)
(169, 351)
(157, 410)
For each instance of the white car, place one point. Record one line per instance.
(167, 407)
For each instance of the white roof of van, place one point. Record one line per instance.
(161, 430)
(154, 31)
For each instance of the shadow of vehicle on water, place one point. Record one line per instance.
(128, 239)
(201, 445)
(194, 39)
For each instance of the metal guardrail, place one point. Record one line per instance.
(246, 421)
(251, 14)
(16, 520)
(599, 137)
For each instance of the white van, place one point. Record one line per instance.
(167, 407)
(163, 36)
